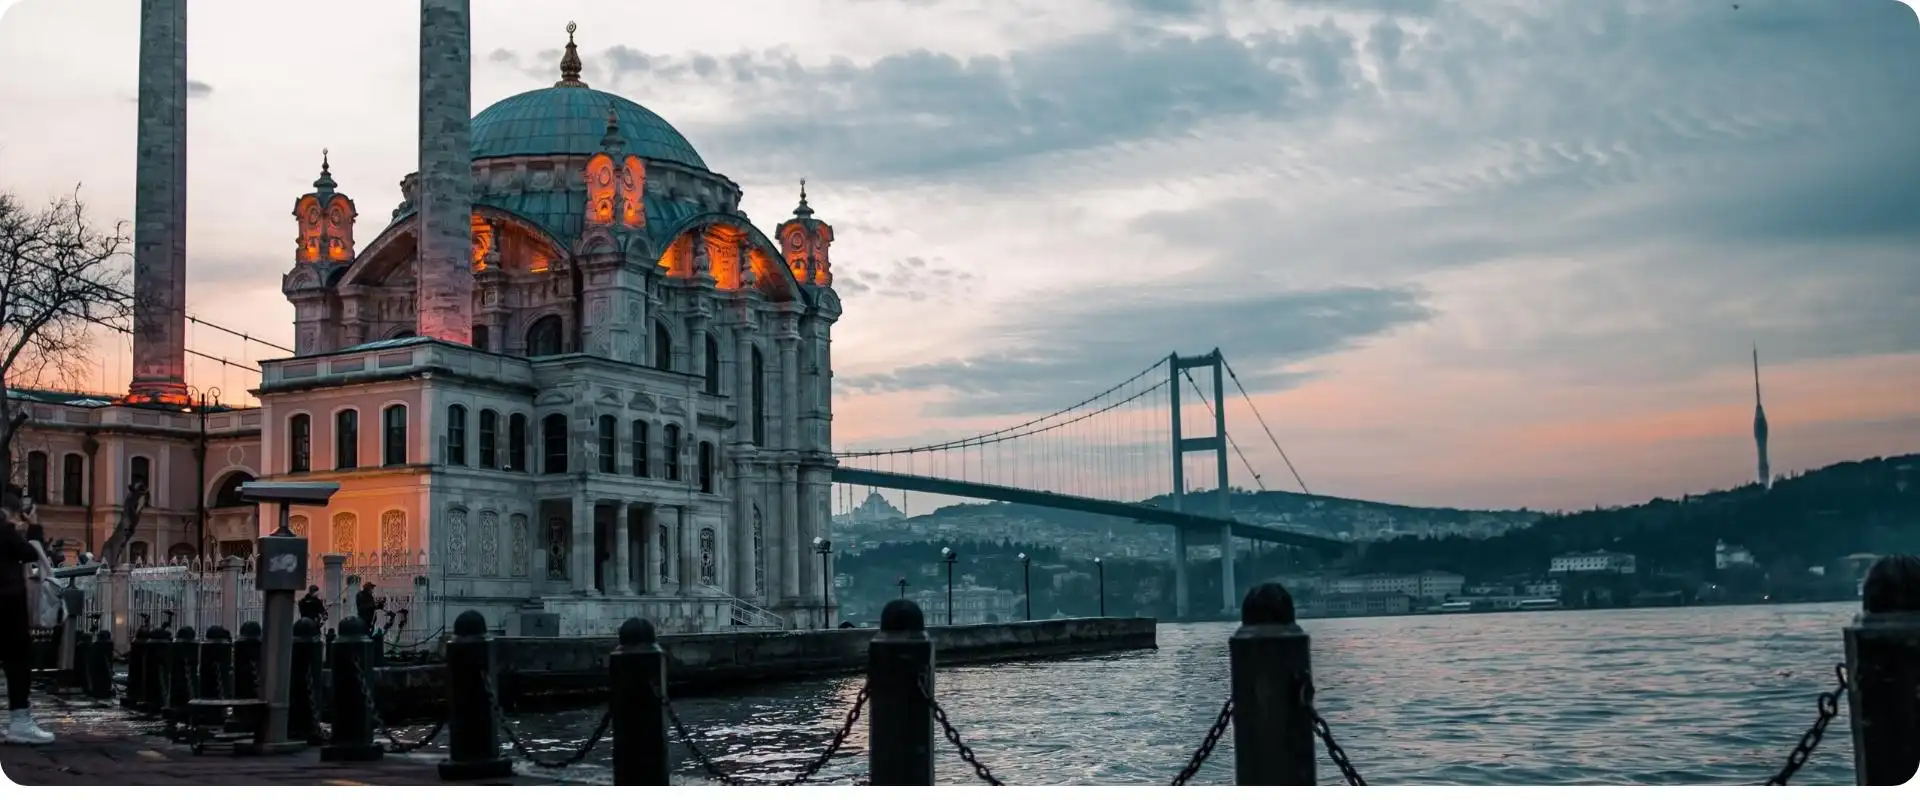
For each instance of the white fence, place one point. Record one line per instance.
(201, 594)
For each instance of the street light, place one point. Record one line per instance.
(1026, 583)
(947, 555)
(825, 549)
(1101, 569)
(903, 587)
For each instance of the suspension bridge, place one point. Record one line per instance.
(1124, 452)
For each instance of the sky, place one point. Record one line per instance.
(1483, 254)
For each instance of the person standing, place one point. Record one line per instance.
(365, 604)
(312, 607)
(19, 530)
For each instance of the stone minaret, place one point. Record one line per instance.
(160, 208)
(444, 292)
(1760, 424)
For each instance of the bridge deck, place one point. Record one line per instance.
(1136, 511)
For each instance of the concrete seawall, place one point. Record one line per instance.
(540, 671)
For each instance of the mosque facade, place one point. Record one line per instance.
(568, 370)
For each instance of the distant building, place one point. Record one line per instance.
(874, 509)
(972, 604)
(1731, 556)
(1596, 561)
(1429, 585)
(1358, 604)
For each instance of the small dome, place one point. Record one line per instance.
(570, 120)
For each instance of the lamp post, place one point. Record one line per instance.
(825, 549)
(903, 587)
(947, 555)
(1026, 583)
(208, 399)
(1100, 569)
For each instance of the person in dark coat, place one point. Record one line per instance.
(364, 604)
(312, 607)
(19, 529)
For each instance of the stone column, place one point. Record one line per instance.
(650, 544)
(444, 296)
(742, 571)
(622, 583)
(743, 378)
(160, 206)
(789, 387)
(697, 342)
(333, 581)
(581, 567)
(791, 544)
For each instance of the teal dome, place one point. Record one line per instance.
(570, 120)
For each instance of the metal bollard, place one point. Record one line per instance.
(473, 735)
(1883, 663)
(153, 677)
(351, 697)
(303, 696)
(899, 719)
(183, 660)
(216, 672)
(136, 670)
(1269, 658)
(246, 678)
(100, 666)
(637, 675)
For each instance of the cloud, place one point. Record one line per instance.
(198, 89)
(914, 279)
(1046, 358)
(928, 113)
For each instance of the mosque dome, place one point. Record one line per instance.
(568, 118)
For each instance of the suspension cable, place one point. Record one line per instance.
(1263, 426)
(991, 437)
(129, 331)
(1235, 445)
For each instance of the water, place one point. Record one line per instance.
(1645, 696)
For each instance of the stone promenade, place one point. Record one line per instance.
(103, 746)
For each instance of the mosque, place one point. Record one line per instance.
(568, 369)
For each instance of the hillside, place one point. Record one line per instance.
(1815, 518)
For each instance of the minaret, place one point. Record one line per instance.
(1760, 423)
(160, 208)
(444, 293)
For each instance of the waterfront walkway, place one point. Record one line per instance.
(101, 745)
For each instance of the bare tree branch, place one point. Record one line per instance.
(60, 274)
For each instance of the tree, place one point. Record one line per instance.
(60, 274)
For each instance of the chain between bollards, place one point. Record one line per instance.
(1206, 745)
(805, 774)
(398, 746)
(1828, 704)
(599, 732)
(1325, 732)
(966, 753)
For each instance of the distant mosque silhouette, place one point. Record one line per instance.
(1760, 424)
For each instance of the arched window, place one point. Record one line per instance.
(713, 365)
(393, 436)
(482, 337)
(403, 333)
(706, 467)
(140, 471)
(609, 444)
(672, 454)
(73, 472)
(553, 444)
(37, 466)
(299, 443)
(228, 495)
(457, 435)
(640, 445)
(489, 438)
(545, 337)
(662, 347)
(517, 443)
(759, 409)
(666, 554)
(346, 439)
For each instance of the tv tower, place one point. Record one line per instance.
(1760, 423)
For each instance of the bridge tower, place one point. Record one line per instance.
(1217, 444)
